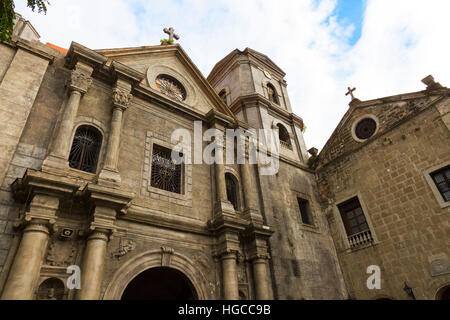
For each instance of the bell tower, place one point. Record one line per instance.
(253, 87)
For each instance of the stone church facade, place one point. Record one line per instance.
(86, 181)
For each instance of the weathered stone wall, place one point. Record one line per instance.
(22, 68)
(304, 259)
(389, 175)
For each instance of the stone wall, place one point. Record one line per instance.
(304, 259)
(22, 68)
(390, 176)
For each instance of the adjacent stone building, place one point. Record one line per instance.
(384, 181)
(88, 182)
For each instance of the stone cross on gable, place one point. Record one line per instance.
(171, 32)
(350, 92)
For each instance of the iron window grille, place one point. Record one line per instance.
(166, 173)
(85, 149)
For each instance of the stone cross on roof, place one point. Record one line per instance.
(350, 92)
(171, 32)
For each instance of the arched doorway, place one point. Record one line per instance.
(160, 283)
(443, 293)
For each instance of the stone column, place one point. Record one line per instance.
(92, 266)
(247, 186)
(80, 81)
(260, 278)
(121, 98)
(25, 269)
(229, 276)
(251, 212)
(221, 188)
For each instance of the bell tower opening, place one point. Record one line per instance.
(160, 283)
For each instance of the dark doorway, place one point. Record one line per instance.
(159, 284)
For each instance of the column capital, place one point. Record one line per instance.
(260, 258)
(228, 254)
(80, 80)
(121, 98)
(37, 226)
(100, 234)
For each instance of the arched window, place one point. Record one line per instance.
(171, 87)
(272, 93)
(223, 96)
(283, 134)
(232, 190)
(85, 149)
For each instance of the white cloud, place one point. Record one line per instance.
(402, 41)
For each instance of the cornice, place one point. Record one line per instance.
(78, 53)
(214, 117)
(121, 71)
(42, 182)
(110, 196)
(402, 97)
(274, 110)
(148, 94)
(34, 50)
(165, 220)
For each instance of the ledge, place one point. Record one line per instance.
(165, 220)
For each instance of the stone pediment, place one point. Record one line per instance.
(386, 114)
(170, 60)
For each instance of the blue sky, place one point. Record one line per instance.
(381, 47)
(351, 12)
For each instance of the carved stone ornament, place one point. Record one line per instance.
(61, 253)
(124, 247)
(121, 98)
(439, 267)
(79, 81)
(166, 255)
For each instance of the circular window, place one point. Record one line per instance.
(365, 128)
(171, 87)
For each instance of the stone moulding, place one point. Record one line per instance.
(165, 220)
(152, 259)
(77, 52)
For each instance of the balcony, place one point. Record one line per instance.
(360, 239)
(285, 145)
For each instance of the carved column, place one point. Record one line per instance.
(121, 98)
(229, 276)
(80, 81)
(25, 269)
(92, 266)
(260, 278)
